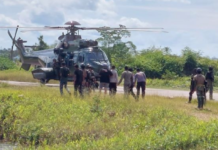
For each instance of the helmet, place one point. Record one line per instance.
(199, 70)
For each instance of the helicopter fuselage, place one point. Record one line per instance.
(92, 56)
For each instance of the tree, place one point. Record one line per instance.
(190, 58)
(41, 45)
(111, 43)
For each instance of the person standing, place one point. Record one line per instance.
(104, 74)
(132, 84)
(210, 80)
(78, 80)
(127, 76)
(113, 81)
(192, 86)
(199, 81)
(56, 69)
(64, 73)
(141, 82)
(86, 75)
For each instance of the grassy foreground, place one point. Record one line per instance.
(38, 117)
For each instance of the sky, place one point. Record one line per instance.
(191, 23)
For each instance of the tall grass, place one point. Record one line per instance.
(17, 75)
(38, 117)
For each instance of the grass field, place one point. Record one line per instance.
(38, 117)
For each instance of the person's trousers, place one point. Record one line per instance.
(210, 88)
(141, 85)
(78, 87)
(113, 88)
(200, 96)
(63, 82)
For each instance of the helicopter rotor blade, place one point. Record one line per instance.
(45, 29)
(108, 28)
(12, 47)
(7, 27)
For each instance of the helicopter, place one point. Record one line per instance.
(71, 45)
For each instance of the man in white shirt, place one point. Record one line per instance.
(113, 81)
(140, 78)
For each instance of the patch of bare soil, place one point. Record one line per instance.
(204, 114)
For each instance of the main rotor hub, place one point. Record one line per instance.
(72, 23)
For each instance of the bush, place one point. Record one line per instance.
(6, 63)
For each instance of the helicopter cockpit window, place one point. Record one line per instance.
(96, 56)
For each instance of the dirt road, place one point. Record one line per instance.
(149, 91)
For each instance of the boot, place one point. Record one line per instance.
(189, 99)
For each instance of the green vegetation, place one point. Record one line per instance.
(6, 63)
(40, 118)
(41, 45)
(17, 75)
(155, 62)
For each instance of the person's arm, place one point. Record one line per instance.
(135, 79)
(74, 77)
(212, 77)
(121, 79)
(194, 82)
(145, 78)
(60, 72)
(116, 76)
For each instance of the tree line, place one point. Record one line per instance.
(155, 62)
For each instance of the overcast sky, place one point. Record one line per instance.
(192, 23)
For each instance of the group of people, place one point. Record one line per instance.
(85, 79)
(201, 85)
(109, 79)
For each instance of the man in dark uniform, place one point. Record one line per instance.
(192, 86)
(56, 69)
(199, 82)
(104, 74)
(64, 73)
(210, 80)
(78, 79)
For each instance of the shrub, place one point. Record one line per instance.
(6, 63)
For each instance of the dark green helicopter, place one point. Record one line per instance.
(71, 48)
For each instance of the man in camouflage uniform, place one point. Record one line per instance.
(199, 81)
(210, 80)
(192, 86)
(64, 73)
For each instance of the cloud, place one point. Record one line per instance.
(4, 20)
(133, 22)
